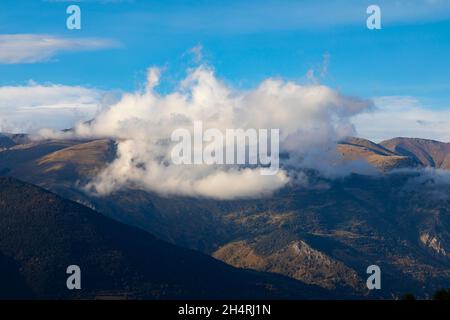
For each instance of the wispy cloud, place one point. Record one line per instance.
(404, 116)
(30, 107)
(33, 48)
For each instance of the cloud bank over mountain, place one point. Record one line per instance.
(311, 119)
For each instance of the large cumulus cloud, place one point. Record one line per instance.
(311, 119)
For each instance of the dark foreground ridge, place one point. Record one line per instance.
(41, 234)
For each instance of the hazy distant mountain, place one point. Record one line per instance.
(8, 140)
(41, 234)
(326, 234)
(5, 142)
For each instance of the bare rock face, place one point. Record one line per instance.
(434, 243)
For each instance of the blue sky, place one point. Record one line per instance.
(245, 42)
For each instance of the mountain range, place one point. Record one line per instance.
(319, 239)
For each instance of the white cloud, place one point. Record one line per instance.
(197, 53)
(403, 116)
(33, 48)
(311, 120)
(314, 75)
(34, 106)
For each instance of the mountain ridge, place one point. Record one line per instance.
(41, 236)
(396, 218)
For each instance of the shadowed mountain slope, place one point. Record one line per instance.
(41, 234)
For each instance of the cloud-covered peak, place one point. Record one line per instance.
(311, 119)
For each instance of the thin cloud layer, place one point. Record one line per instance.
(28, 108)
(33, 48)
(311, 120)
(403, 116)
(243, 17)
